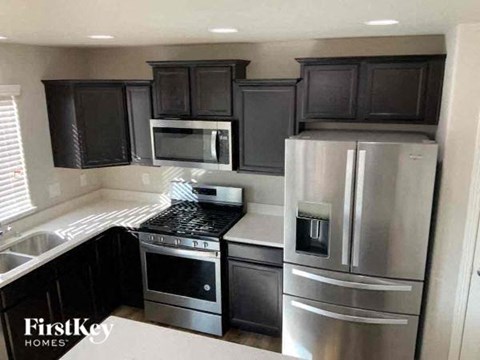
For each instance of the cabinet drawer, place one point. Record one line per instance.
(353, 290)
(260, 254)
(318, 330)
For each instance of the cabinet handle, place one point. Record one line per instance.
(358, 207)
(350, 318)
(351, 284)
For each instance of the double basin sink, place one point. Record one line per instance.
(27, 249)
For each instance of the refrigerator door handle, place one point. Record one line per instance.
(347, 208)
(350, 318)
(358, 207)
(350, 284)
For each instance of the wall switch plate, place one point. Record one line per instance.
(54, 190)
(146, 179)
(83, 180)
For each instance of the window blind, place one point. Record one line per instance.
(14, 192)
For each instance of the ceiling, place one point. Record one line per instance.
(143, 22)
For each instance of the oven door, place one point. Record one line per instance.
(192, 143)
(186, 278)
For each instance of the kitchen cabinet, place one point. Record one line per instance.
(387, 89)
(266, 110)
(139, 106)
(198, 89)
(255, 288)
(130, 269)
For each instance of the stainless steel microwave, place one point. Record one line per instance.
(192, 143)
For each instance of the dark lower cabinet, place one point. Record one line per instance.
(255, 283)
(87, 282)
(130, 273)
(266, 118)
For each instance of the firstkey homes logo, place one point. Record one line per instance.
(54, 333)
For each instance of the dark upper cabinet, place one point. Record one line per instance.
(88, 123)
(395, 89)
(195, 89)
(330, 91)
(171, 91)
(212, 90)
(266, 111)
(139, 105)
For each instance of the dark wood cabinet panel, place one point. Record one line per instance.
(212, 91)
(102, 124)
(40, 304)
(198, 89)
(395, 90)
(130, 270)
(266, 118)
(388, 89)
(255, 297)
(88, 123)
(330, 91)
(139, 105)
(171, 91)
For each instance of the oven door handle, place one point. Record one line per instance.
(194, 254)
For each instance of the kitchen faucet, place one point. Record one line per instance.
(4, 231)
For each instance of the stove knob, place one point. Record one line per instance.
(178, 241)
(205, 244)
(152, 237)
(195, 243)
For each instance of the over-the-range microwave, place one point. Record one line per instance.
(192, 143)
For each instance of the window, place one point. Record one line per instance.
(14, 193)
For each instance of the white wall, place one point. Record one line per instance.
(268, 60)
(27, 66)
(456, 136)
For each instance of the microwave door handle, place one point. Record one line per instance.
(213, 145)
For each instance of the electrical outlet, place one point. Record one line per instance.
(146, 179)
(83, 180)
(54, 190)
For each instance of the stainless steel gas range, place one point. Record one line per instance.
(181, 256)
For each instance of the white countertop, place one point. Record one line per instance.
(79, 224)
(134, 340)
(262, 225)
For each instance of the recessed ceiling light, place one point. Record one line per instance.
(381, 22)
(3, 37)
(100, 37)
(223, 30)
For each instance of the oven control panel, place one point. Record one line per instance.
(180, 242)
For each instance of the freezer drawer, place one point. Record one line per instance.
(358, 291)
(315, 330)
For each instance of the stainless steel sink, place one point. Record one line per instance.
(38, 243)
(11, 261)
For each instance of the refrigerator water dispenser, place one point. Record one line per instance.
(313, 228)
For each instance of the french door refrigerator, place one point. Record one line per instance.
(357, 219)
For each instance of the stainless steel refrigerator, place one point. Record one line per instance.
(357, 219)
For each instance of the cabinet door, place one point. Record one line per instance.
(102, 122)
(395, 91)
(330, 91)
(267, 118)
(130, 270)
(107, 284)
(43, 304)
(171, 91)
(255, 297)
(139, 106)
(212, 91)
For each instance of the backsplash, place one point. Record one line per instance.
(262, 189)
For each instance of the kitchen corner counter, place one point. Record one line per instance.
(262, 225)
(82, 219)
(136, 340)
